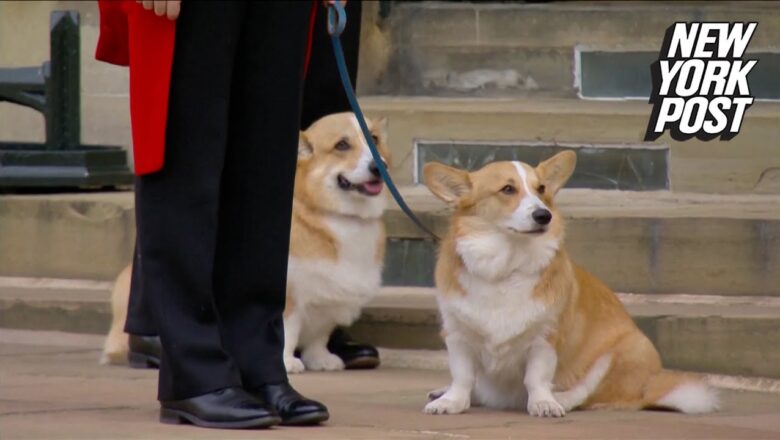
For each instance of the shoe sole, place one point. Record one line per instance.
(314, 418)
(142, 361)
(363, 363)
(176, 417)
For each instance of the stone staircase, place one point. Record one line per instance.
(518, 49)
(696, 252)
(700, 269)
(708, 333)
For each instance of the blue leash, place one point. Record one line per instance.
(337, 20)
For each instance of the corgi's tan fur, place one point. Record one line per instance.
(336, 244)
(337, 238)
(115, 347)
(524, 326)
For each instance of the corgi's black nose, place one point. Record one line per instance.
(542, 216)
(374, 169)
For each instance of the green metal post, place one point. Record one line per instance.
(63, 85)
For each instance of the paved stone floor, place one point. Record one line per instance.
(51, 387)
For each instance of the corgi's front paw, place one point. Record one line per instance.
(545, 408)
(293, 365)
(323, 361)
(447, 405)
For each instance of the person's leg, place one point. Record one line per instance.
(250, 271)
(250, 268)
(140, 319)
(323, 93)
(143, 342)
(177, 207)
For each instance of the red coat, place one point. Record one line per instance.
(132, 36)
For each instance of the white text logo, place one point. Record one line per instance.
(700, 81)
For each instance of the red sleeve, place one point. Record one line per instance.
(151, 45)
(112, 46)
(131, 36)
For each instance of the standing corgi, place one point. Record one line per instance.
(337, 243)
(523, 325)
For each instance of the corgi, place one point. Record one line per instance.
(337, 242)
(524, 326)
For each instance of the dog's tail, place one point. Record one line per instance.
(578, 394)
(682, 392)
(115, 347)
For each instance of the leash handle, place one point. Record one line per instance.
(337, 20)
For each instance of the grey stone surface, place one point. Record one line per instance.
(435, 44)
(744, 164)
(649, 242)
(88, 236)
(640, 167)
(715, 334)
(52, 388)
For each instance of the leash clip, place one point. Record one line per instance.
(337, 18)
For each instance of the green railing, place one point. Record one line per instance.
(54, 89)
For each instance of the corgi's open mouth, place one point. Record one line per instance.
(370, 188)
(537, 231)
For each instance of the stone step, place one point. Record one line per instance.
(715, 334)
(641, 242)
(522, 49)
(472, 127)
(81, 236)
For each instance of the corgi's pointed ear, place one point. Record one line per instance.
(381, 123)
(305, 149)
(379, 129)
(446, 183)
(556, 171)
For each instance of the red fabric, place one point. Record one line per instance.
(312, 21)
(132, 36)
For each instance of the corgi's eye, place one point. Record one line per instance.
(508, 189)
(342, 145)
(375, 139)
(540, 189)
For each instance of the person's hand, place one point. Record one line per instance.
(327, 3)
(168, 8)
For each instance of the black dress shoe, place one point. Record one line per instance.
(356, 356)
(294, 409)
(229, 408)
(144, 351)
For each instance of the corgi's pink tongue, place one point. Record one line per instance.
(373, 188)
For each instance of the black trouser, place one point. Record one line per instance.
(213, 224)
(323, 95)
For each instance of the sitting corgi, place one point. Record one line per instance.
(336, 244)
(523, 325)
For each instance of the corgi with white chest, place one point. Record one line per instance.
(337, 243)
(523, 325)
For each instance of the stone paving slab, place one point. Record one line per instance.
(51, 387)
